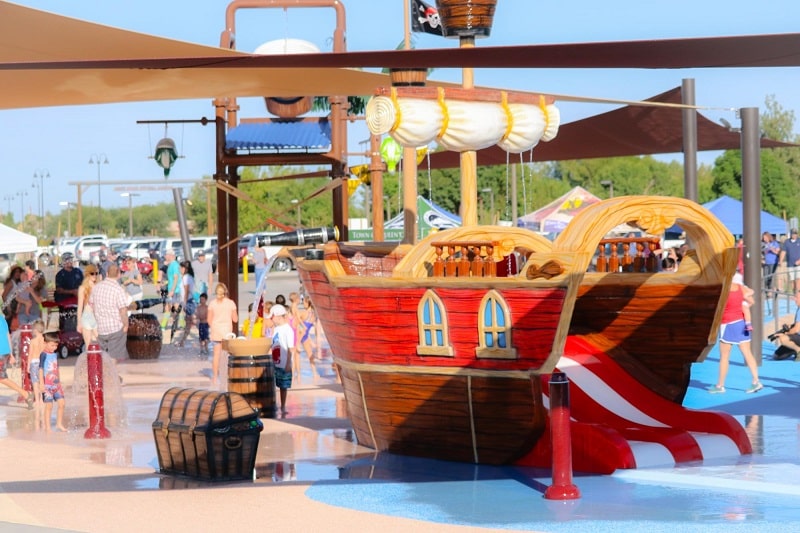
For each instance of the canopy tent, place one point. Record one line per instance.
(430, 217)
(13, 241)
(730, 212)
(555, 216)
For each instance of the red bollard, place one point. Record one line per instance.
(561, 441)
(94, 370)
(25, 335)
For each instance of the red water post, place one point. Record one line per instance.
(561, 441)
(94, 370)
(25, 335)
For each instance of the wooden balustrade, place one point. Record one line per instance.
(614, 254)
(464, 259)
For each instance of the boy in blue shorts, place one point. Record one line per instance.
(50, 382)
(282, 348)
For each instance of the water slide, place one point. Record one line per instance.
(619, 423)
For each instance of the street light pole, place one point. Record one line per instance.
(130, 196)
(41, 173)
(296, 202)
(98, 159)
(68, 205)
(8, 198)
(22, 195)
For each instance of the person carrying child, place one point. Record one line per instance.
(50, 382)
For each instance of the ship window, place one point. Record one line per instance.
(433, 329)
(494, 328)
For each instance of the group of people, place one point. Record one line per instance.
(24, 291)
(186, 285)
(289, 325)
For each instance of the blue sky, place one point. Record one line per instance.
(61, 139)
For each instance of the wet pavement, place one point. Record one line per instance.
(310, 463)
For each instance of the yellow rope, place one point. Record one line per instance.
(509, 115)
(543, 107)
(398, 115)
(445, 116)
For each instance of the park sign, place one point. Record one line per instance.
(430, 218)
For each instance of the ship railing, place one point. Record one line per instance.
(464, 259)
(628, 254)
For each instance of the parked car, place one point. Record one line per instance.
(137, 248)
(88, 247)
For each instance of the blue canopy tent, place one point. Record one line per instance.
(729, 211)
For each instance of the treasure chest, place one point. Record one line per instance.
(206, 434)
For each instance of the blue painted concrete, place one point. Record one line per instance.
(760, 492)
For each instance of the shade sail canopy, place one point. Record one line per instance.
(52, 60)
(631, 130)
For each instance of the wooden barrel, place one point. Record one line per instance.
(408, 77)
(252, 374)
(466, 18)
(288, 107)
(144, 336)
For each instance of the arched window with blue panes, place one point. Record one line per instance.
(494, 328)
(434, 336)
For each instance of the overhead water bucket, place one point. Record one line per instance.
(287, 106)
(466, 18)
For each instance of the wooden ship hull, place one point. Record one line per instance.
(473, 394)
(411, 332)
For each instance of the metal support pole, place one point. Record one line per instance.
(751, 206)
(689, 141)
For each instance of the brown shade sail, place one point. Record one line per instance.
(630, 130)
(51, 60)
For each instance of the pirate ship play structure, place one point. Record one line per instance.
(464, 327)
(445, 347)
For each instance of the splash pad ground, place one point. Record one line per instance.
(312, 476)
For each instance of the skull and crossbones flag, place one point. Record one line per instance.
(425, 18)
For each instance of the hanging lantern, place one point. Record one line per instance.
(391, 153)
(166, 154)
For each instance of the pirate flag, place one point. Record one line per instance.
(425, 18)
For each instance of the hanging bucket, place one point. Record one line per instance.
(466, 18)
(287, 106)
(408, 77)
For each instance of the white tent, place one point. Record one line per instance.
(13, 241)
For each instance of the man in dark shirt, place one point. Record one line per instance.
(790, 252)
(68, 279)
